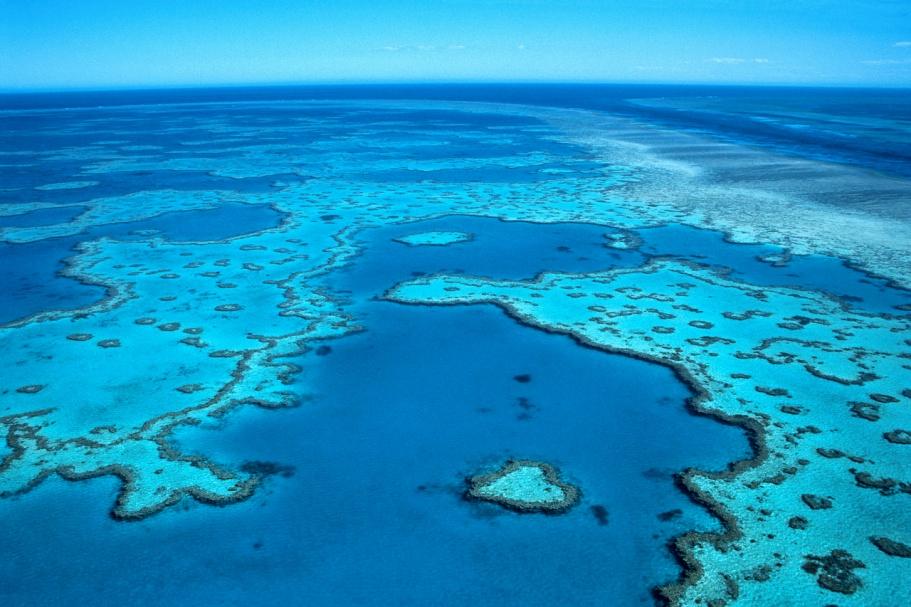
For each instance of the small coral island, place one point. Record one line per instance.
(524, 486)
(423, 239)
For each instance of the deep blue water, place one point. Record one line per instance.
(862, 127)
(500, 249)
(30, 280)
(41, 217)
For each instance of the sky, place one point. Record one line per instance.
(64, 44)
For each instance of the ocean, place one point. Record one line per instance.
(257, 341)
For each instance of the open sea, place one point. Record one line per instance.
(290, 208)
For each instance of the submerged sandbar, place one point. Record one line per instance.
(434, 238)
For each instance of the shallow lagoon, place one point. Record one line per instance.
(31, 272)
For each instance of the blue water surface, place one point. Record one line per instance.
(859, 126)
(365, 506)
(363, 503)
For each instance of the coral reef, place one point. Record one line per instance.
(524, 486)
(186, 331)
(837, 358)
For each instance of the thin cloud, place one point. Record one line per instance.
(887, 62)
(903, 44)
(420, 48)
(737, 60)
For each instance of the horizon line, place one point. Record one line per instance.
(29, 90)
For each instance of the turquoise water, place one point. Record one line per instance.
(370, 468)
(231, 345)
(749, 262)
(32, 272)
